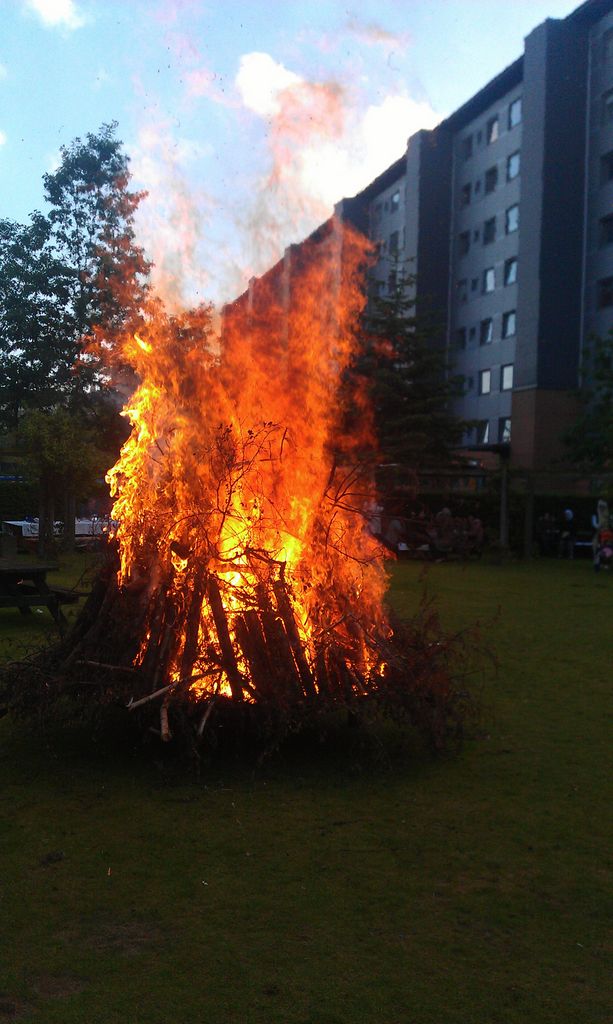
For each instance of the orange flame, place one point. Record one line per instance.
(233, 489)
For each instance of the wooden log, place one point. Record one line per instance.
(281, 656)
(225, 642)
(158, 627)
(276, 641)
(286, 612)
(324, 684)
(192, 625)
(251, 641)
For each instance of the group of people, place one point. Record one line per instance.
(425, 536)
(558, 538)
(602, 542)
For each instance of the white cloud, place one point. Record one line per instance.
(325, 142)
(53, 161)
(2, 138)
(172, 218)
(260, 80)
(371, 140)
(54, 13)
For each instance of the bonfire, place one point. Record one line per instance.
(243, 584)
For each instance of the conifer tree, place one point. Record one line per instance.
(404, 368)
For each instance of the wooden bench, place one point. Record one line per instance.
(24, 586)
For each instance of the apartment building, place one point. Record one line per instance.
(503, 214)
(505, 211)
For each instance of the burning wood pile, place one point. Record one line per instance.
(243, 584)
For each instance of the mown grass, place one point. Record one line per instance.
(337, 888)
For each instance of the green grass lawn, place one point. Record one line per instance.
(334, 890)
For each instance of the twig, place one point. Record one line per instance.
(169, 686)
(151, 696)
(205, 716)
(111, 668)
(165, 733)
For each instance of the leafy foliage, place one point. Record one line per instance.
(61, 451)
(590, 439)
(66, 273)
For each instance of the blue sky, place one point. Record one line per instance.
(244, 120)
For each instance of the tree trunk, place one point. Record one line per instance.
(70, 504)
(46, 517)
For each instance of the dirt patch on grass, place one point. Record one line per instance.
(11, 1008)
(57, 986)
(127, 938)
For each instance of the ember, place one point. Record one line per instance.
(247, 580)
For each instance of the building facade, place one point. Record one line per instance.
(503, 215)
(505, 212)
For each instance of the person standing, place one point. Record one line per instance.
(600, 523)
(567, 535)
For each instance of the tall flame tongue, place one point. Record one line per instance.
(237, 522)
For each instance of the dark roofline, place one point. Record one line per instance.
(590, 11)
(385, 180)
(499, 86)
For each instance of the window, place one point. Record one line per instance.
(512, 166)
(506, 377)
(607, 107)
(486, 331)
(489, 279)
(466, 147)
(515, 112)
(460, 337)
(395, 201)
(393, 244)
(491, 179)
(474, 284)
(607, 48)
(392, 281)
(491, 131)
(510, 271)
(477, 187)
(512, 219)
(606, 230)
(472, 334)
(465, 195)
(485, 382)
(605, 292)
(504, 430)
(462, 290)
(606, 168)
(489, 231)
(508, 324)
(463, 243)
(483, 432)
(476, 235)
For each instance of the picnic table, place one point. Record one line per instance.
(23, 586)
